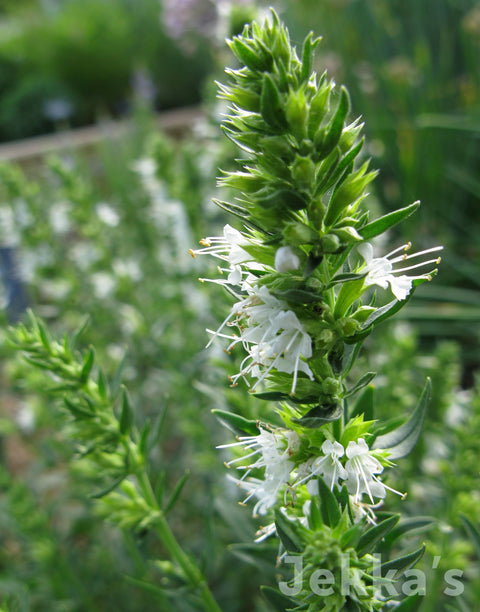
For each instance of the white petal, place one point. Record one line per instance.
(286, 260)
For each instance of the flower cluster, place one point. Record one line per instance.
(300, 270)
(285, 469)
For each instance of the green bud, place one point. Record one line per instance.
(326, 338)
(330, 386)
(347, 326)
(296, 112)
(316, 212)
(319, 107)
(350, 191)
(330, 243)
(349, 135)
(362, 314)
(303, 172)
(347, 234)
(298, 233)
(253, 58)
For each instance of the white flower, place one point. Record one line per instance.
(286, 260)
(329, 466)
(362, 469)
(228, 248)
(272, 451)
(380, 270)
(272, 335)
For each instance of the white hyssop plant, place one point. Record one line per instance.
(302, 269)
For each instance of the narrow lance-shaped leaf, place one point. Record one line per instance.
(126, 415)
(382, 224)
(270, 104)
(415, 524)
(383, 313)
(401, 441)
(370, 538)
(401, 564)
(365, 380)
(236, 423)
(336, 126)
(321, 414)
(276, 599)
(473, 533)
(176, 492)
(365, 404)
(410, 604)
(286, 531)
(329, 507)
(87, 365)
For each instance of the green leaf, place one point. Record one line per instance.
(381, 225)
(271, 106)
(176, 492)
(344, 278)
(401, 441)
(336, 124)
(236, 423)
(383, 313)
(234, 209)
(365, 404)
(143, 441)
(276, 599)
(363, 382)
(117, 380)
(126, 416)
(287, 532)
(299, 296)
(415, 524)
(108, 488)
(401, 564)
(247, 55)
(80, 331)
(372, 537)
(315, 520)
(102, 385)
(79, 412)
(87, 365)
(331, 512)
(472, 532)
(309, 45)
(272, 396)
(321, 414)
(351, 537)
(410, 604)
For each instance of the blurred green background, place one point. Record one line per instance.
(107, 232)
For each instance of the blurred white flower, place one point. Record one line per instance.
(107, 214)
(103, 284)
(59, 217)
(127, 268)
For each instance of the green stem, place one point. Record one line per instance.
(191, 572)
